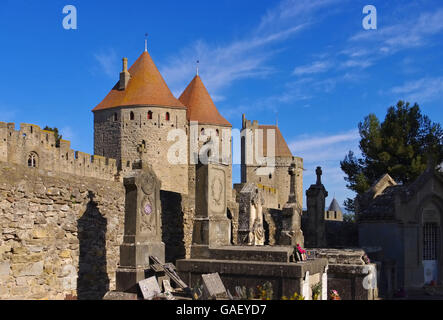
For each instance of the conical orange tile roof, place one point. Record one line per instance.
(145, 87)
(281, 147)
(200, 106)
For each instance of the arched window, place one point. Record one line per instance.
(167, 116)
(131, 115)
(202, 131)
(115, 116)
(149, 115)
(217, 132)
(32, 160)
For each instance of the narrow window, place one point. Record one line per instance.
(167, 116)
(217, 132)
(115, 117)
(32, 160)
(149, 115)
(131, 116)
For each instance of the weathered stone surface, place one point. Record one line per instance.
(50, 241)
(29, 269)
(5, 268)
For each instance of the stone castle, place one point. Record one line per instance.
(42, 177)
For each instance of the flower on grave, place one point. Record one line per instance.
(334, 295)
(300, 249)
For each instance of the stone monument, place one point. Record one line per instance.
(315, 233)
(142, 234)
(251, 230)
(292, 211)
(211, 224)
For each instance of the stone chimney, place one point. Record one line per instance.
(124, 75)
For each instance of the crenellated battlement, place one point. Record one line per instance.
(33, 147)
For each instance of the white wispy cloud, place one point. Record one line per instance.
(326, 151)
(357, 63)
(315, 67)
(108, 62)
(421, 90)
(291, 10)
(308, 143)
(409, 33)
(223, 64)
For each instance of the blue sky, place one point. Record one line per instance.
(309, 63)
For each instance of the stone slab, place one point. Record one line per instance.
(149, 288)
(213, 286)
(244, 253)
(251, 268)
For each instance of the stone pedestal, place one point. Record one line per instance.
(142, 236)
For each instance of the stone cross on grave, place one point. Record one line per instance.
(291, 233)
(292, 192)
(142, 231)
(318, 172)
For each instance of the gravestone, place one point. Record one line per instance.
(167, 286)
(314, 228)
(213, 287)
(149, 288)
(211, 224)
(250, 220)
(142, 230)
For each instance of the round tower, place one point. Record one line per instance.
(209, 132)
(134, 119)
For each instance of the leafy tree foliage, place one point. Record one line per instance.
(58, 137)
(401, 146)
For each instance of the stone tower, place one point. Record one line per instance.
(314, 226)
(254, 145)
(209, 134)
(334, 212)
(133, 121)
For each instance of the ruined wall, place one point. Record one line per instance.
(60, 234)
(177, 225)
(122, 137)
(18, 147)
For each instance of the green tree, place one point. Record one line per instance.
(58, 137)
(401, 146)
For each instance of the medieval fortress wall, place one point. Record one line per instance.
(59, 233)
(34, 147)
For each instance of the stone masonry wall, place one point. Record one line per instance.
(60, 234)
(18, 146)
(122, 138)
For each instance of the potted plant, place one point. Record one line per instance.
(316, 291)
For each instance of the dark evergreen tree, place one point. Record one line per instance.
(401, 146)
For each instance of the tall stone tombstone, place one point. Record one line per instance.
(250, 219)
(143, 233)
(315, 234)
(292, 211)
(211, 225)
